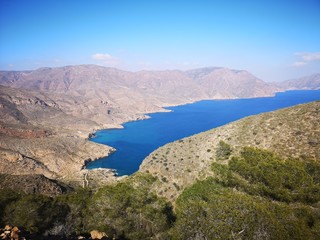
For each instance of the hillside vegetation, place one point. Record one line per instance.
(222, 186)
(257, 195)
(291, 133)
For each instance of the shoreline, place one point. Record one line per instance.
(145, 116)
(173, 105)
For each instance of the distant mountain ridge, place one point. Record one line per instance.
(109, 96)
(77, 78)
(311, 82)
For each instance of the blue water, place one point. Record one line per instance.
(138, 139)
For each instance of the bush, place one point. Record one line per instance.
(77, 202)
(35, 213)
(6, 197)
(288, 180)
(129, 212)
(208, 210)
(224, 151)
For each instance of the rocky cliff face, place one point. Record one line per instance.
(291, 132)
(38, 137)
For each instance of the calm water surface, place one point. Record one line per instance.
(138, 139)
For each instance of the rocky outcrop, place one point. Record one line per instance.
(52, 156)
(10, 233)
(98, 235)
(291, 132)
(16, 233)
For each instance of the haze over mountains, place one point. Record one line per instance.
(308, 82)
(47, 114)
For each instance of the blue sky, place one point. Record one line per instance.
(274, 40)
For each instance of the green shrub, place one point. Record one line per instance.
(288, 180)
(77, 202)
(224, 151)
(208, 210)
(6, 197)
(129, 212)
(35, 213)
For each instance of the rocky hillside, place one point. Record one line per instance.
(29, 114)
(46, 115)
(112, 96)
(290, 132)
(86, 80)
(309, 82)
(31, 184)
(37, 136)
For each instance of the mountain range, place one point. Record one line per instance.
(90, 91)
(46, 115)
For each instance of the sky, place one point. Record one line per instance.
(274, 40)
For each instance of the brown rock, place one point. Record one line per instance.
(98, 235)
(7, 228)
(15, 233)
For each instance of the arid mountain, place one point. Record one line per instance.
(83, 79)
(226, 83)
(47, 114)
(311, 82)
(36, 136)
(22, 110)
(291, 132)
(109, 96)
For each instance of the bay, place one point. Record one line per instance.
(138, 139)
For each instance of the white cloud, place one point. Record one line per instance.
(299, 64)
(101, 56)
(305, 58)
(105, 59)
(308, 57)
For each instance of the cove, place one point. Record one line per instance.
(138, 139)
